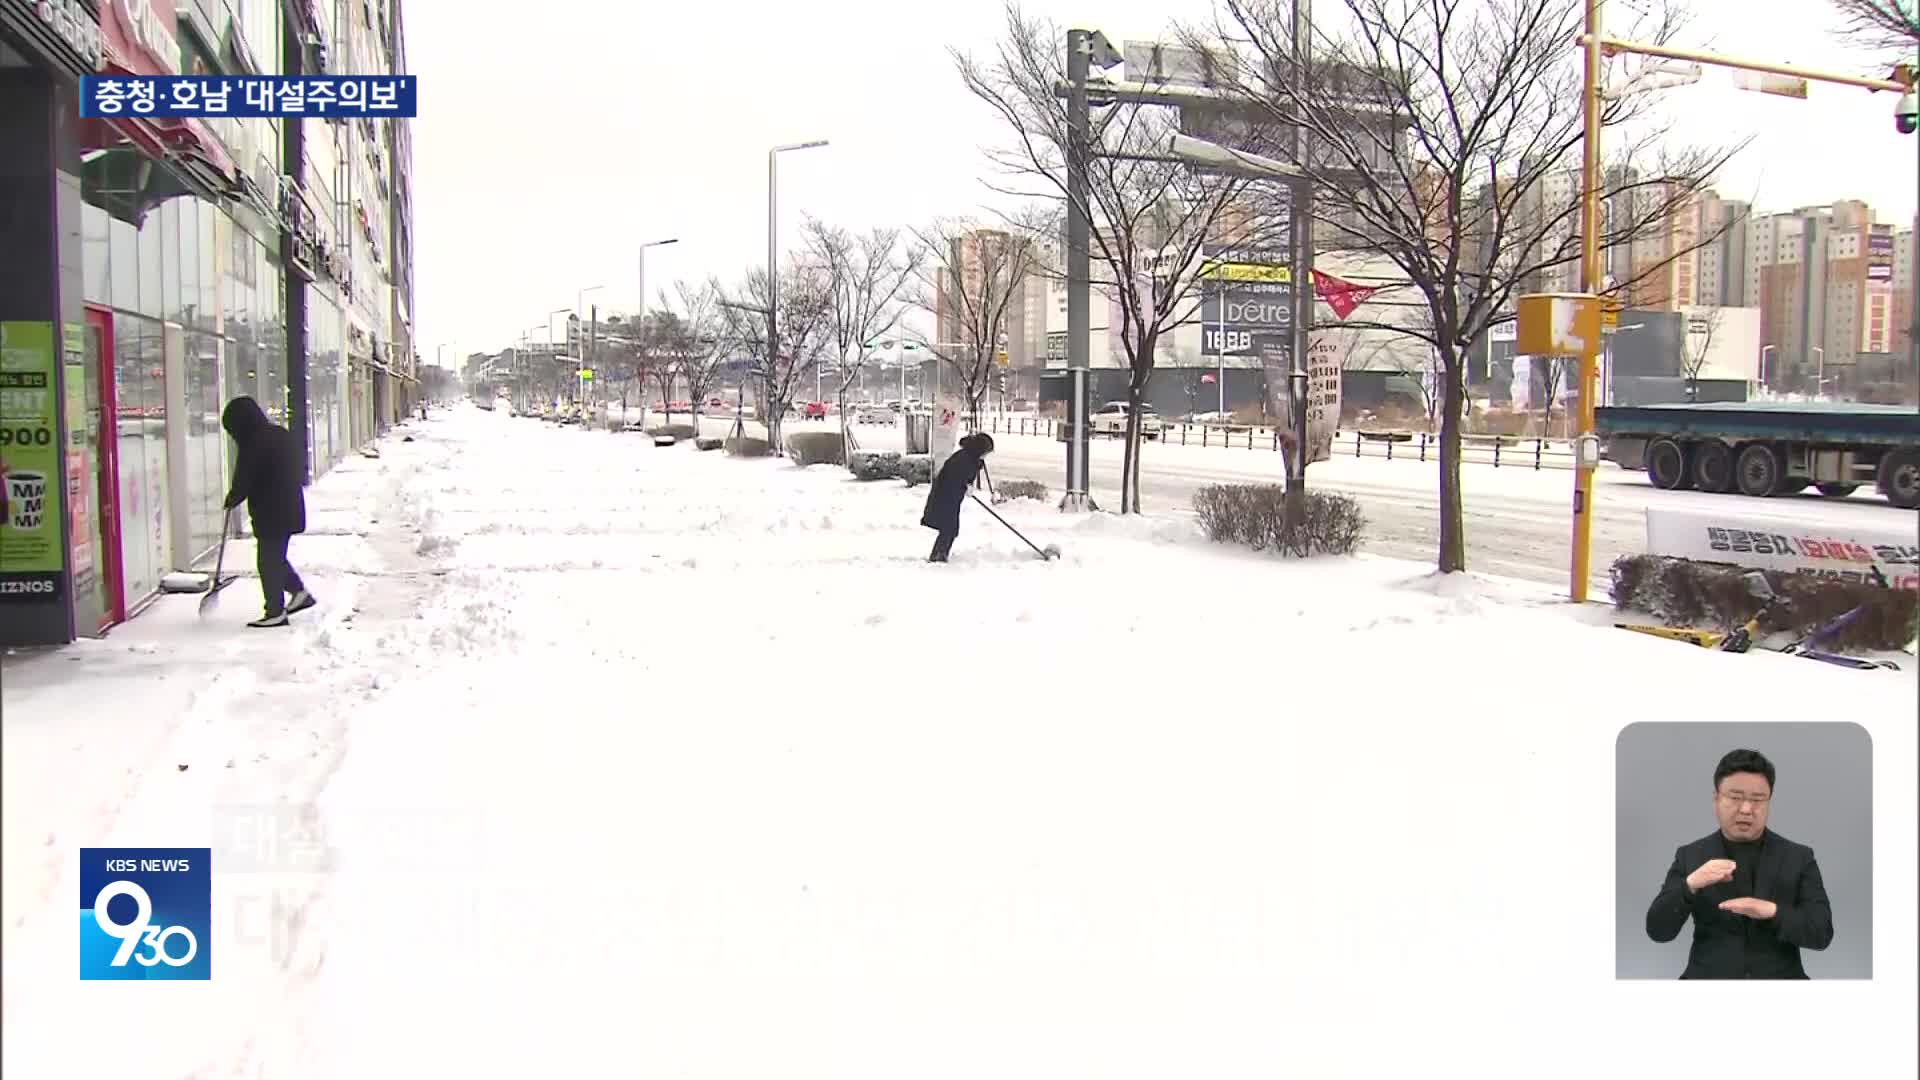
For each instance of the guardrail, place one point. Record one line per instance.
(1511, 451)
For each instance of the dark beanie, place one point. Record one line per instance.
(979, 442)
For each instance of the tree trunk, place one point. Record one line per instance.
(1453, 533)
(846, 426)
(1130, 458)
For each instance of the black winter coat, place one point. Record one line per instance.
(949, 490)
(269, 472)
(1730, 946)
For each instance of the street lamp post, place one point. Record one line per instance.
(1819, 371)
(1764, 350)
(773, 243)
(641, 311)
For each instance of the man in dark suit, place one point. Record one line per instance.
(269, 475)
(1755, 897)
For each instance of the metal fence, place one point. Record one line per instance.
(1511, 451)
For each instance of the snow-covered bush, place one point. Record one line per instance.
(816, 448)
(678, 431)
(708, 442)
(1682, 592)
(874, 464)
(1021, 489)
(748, 447)
(1256, 515)
(917, 469)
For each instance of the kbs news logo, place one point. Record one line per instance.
(145, 913)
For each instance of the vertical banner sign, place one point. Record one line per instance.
(1323, 394)
(32, 543)
(948, 404)
(1275, 366)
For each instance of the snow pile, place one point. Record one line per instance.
(657, 748)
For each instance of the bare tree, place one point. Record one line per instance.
(1436, 127)
(974, 275)
(1151, 215)
(802, 298)
(1891, 26)
(1695, 348)
(870, 286)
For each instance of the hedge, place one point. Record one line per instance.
(708, 442)
(1682, 592)
(748, 447)
(816, 448)
(1255, 515)
(1021, 489)
(678, 431)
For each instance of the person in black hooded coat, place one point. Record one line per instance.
(949, 490)
(270, 475)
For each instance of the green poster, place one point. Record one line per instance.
(32, 534)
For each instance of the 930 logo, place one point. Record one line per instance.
(145, 913)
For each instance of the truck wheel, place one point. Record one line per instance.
(1757, 470)
(1713, 467)
(1667, 465)
(1837, 491)
(1900, 478)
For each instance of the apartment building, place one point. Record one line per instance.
(1824, 278)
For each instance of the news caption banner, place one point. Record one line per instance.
(146, 913)
(248, 96)
(1848, 552)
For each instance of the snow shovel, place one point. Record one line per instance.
(212, 599)
(1051, 551)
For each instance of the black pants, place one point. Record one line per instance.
(278, 578)
(943, 545)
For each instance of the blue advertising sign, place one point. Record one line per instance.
(248, 95)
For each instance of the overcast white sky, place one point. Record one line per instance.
(551, 142)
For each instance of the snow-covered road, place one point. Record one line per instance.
(554, 786)
(1517, 519)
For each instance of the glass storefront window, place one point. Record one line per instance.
(123, 264)
(151, 300)
(169, 215)
(184, 306)
(96, 279)
(211, 220)
(205, 452)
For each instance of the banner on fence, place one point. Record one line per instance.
(1845, 552)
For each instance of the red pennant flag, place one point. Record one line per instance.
(1342, 296)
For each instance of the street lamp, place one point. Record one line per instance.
(1819, 371)
(1764, 350)
(773, 242)
(642, 309)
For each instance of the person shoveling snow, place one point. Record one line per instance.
(269, 475)
(949, 490)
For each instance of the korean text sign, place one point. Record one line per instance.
(173, 96)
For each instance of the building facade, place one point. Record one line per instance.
(157, 268)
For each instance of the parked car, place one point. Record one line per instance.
(813, 410)
(1111, 420)
(871, 413)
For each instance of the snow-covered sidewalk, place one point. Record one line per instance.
(605, 759)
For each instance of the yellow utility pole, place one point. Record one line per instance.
(1586, 459)
(1595, 48)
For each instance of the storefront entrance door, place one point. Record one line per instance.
(109, 603)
